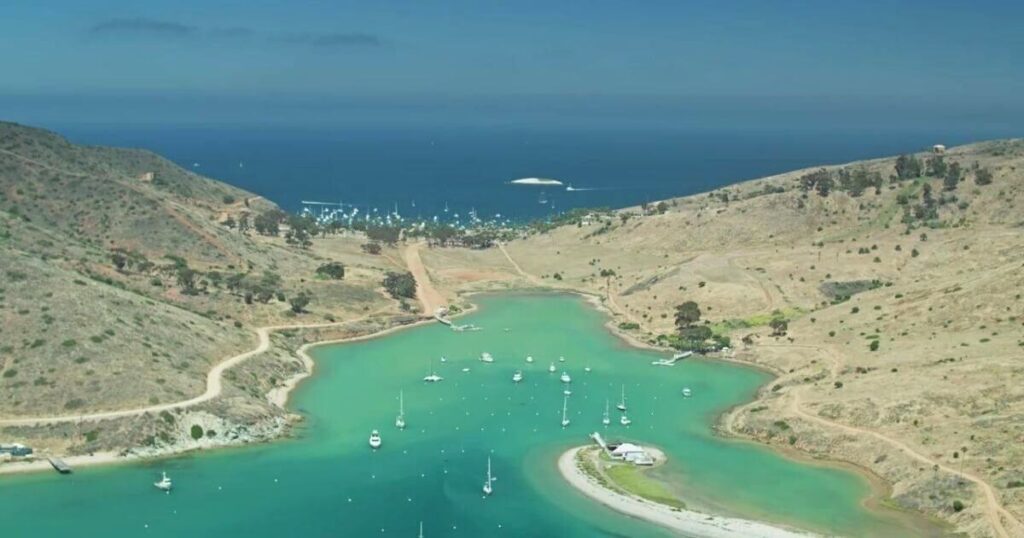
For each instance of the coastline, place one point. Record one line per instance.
(278, 396)
(685, 521)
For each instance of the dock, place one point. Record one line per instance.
(59, 465)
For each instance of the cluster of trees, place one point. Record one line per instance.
(400, 285)
(851, 181)
(693, 336)
(331, 270)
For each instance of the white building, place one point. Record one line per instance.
(633, 454)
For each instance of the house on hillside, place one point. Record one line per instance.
(939, 149)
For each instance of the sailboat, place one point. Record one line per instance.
(529, 358)
(565, 378)
(400, 419)
(565, 411)
(375, 441)
(486, 357)
(551, 368)
(421, 529)
(687, 392)
(518, 376)
(622, 402)
(606, 420)
(165, 483)
(624, 420)
(488, 489)
(432, 377)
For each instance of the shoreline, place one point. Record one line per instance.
(677, 519)
(278, 396)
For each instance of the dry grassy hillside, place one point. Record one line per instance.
(94, 246)
(904, 309)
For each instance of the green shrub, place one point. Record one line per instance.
(197, 432)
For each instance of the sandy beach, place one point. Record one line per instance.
(686, 522)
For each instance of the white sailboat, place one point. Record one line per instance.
(624, 420)
(375, 440)
(164, 484)
(488, 488)
(551, 368)
(432, 377)
(606, 420)
(400, 419)
(529, 358)
(565, 378)
(565, 411)
(486, 357)
(518, 376)
(687, 392)
(622, 402)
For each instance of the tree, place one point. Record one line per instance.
(268, 222)
(299, 302)
(383, 234)
(400, 285)
(119, 260)
(908, 167)
(779, 326)
(371, 248)
(243, 223)
(983, 176)
(687, 314)
(936, 166)
(332, 270)
(187, 280)
(953, 176)
(824, 186)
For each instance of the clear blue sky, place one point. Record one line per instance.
(300, 55)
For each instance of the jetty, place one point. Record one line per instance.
(59, 465)
(675, 358)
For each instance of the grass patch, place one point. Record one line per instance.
(757, 320)
(635, 480)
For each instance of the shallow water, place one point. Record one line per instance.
(328, 482)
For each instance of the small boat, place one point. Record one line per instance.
(586, 369)
(465, 369)
(400, 419)
(375, 439)
(551, 368)
(486, 357)
(518, 376)
(164, 484)
(624, 420)
(606, 420)
(565, 411)
(561, 359)
(488, 487)
(567, 392)
(432, 377)
(529, 358)
(686, 392)
(565, 378)
(444, 359)
(622, 402)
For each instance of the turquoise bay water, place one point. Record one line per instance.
(328, 482)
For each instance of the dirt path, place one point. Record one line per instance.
(214, 383)
(533, 279)
(429, 297)
(994, 511)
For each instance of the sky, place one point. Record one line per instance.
(187, 60)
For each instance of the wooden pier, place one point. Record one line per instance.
(59, 465)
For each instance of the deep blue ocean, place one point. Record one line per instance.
(422, 169)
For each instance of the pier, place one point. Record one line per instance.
(59, 465)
